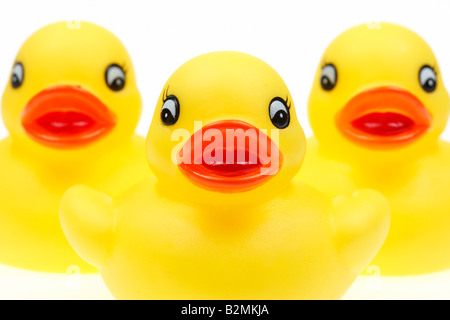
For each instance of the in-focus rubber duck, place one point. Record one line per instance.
(377, 109)
(71, 107)
(223, 218)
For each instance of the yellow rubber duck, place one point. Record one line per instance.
(223, 219)
(71, 107)
(377, 109)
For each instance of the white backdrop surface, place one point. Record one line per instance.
(161, 35)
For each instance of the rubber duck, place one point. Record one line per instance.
(71, 107)
(223, 218)
(377, 108)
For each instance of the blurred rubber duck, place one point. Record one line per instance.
(71, 107)
(377, 109)
(223, 218)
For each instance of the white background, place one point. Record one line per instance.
(161, 35)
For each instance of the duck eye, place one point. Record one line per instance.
(428, 79)
(17, 75)
(170, 110)
(115, 77)
(328, 77)
(279, 113)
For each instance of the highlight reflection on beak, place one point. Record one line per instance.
(229, 156)
(66, 117)
(384, 117)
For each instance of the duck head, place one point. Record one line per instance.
(71, 89)
(225, 123)
(378, 96)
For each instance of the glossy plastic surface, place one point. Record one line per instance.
(167, 238)
(66, 127)
(66, 117)
(384, 118)
(379, 128)
(244, 163)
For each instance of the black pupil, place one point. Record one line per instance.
(117, 84)
(167, 117)
(429, 85)
(280, 119)
(326, 83)
(16, 82)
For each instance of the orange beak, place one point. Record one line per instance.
(383, 118)
(229, 165)
(66, 117)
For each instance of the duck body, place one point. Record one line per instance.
(71, 111)
(225, 252)
(377, 107)
(30, 233)
(223, 219)
(288, 246)
(417, 193)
